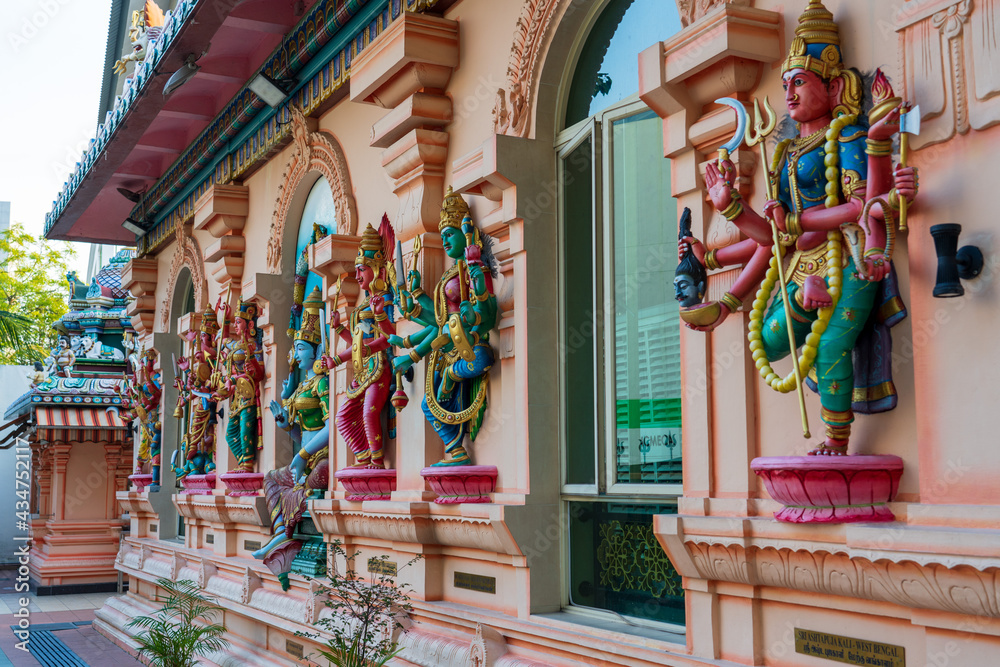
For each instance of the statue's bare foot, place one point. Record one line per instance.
(831, 448)
(376, 464)
(814, 294)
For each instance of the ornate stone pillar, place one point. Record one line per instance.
(722, 56)
(60, 459)
(112, 459)
(222, 211)
(139, 278)
(407, 70)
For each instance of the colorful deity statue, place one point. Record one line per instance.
(833, 197)
(146, 27)
(63, 357)
(359, 418)
(240, 374)
(304, 411)
(456, 325)
(195, 384)
(140, 400)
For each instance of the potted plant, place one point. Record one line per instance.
(181, 629)
(366, 612)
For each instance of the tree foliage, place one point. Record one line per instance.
(182, 629)
(366, 612)
(33, 294)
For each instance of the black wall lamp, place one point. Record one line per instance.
(954, 264)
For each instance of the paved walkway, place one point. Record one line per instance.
(62, 629)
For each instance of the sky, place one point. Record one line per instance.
(51, 62)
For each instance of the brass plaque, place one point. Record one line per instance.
(152, 527)
(379, 566)
(251, 545)
(476, 582)
(210, 539)
(848, 650)
(294, 649)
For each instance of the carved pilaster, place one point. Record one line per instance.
(60, 459)
(406, 69)
(222, 211)
(139, 278)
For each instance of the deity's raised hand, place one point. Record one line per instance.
(885, 127)
(476, 276)
(377, 302)
(280, 414)
(719, 179)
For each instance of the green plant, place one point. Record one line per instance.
(172, 637)
(32, 294)
(366, 611)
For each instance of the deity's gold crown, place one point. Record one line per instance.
(370, 252)
(247, 310)
(309, 330)
(209, 321)
(453, 210)
(816, 47)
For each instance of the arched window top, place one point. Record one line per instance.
(607, 70)
(319, 209)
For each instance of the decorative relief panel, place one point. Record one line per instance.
(950, 51)
(692, 10)
(962, 590)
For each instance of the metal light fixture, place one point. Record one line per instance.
(131, 195)
(134, 226)
(954, 264)
(270, 90)
(181, 76)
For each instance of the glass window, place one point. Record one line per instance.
(578, 309)
(617, 564)
(606, 72)
(319, 209)
(620, 329)
(647, 380)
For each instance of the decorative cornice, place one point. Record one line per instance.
(132, 90)
(247, 510)
(916, 567)
(488, 534)
(305, 42)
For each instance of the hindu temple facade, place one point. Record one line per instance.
(610, 478)
(80, 448)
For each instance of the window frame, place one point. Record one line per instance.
(605, 490)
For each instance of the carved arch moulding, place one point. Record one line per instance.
(187, 253)
(515, 103)
(315, 150)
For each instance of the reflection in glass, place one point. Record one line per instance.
(647, 331)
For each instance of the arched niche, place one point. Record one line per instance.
(316, 154)
(187, 255)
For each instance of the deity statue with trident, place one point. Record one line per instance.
(831, 189)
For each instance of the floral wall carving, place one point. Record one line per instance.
(314, 151)
(187, 254)
(532, 35)
(692, 10)
(962, 590)
(950, 51)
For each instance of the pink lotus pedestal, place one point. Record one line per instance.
(141, 481)
(831, 489)
(198, 485)
(242, 483)
(461, 484)
(367, 483)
